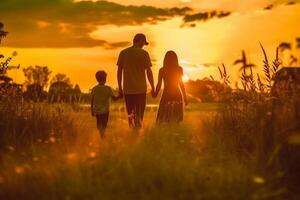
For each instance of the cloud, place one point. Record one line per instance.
(65, 23)
(203, 16)
(188, 66)
(280, 2)
(269, 7)
(116, 45)
(286, 2)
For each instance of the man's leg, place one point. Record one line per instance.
(129, 101)
(140, 109)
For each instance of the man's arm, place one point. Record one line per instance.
(182, 87)
(159, 82)
(113, 96)
(120, 64)
(148, 65)
(150, 79)
(120, 75)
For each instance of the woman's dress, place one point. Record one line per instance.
(171, 104)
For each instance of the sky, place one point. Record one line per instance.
(79, 38)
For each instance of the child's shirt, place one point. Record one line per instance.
(101, 95)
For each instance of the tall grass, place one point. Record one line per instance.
(168, 163)
(23, 124)
(247, 128)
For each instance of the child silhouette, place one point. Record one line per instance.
(101, 95)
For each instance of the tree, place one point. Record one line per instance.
(35, 92)
(60, 92)
(207, 90)
(37, 79)
(61, 78)
(7, 87)
(2, 32)
(37, 75)
(4, 65)
(77, 89)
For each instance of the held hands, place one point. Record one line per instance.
(153, 93)
(186, 102)
(121, 94)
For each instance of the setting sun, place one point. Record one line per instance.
(185, 78)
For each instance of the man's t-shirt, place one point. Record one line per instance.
(101, 95)
(134, 61)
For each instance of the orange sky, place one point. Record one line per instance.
(200, 49)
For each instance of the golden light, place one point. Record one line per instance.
(185, 78)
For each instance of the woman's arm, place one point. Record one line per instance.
(182, 88)
(158, 86)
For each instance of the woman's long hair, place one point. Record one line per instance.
(171, 60)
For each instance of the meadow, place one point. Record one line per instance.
(198, 159)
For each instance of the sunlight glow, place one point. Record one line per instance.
(185, 78)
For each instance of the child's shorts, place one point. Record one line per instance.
(102, 120)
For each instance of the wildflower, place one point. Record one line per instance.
(52, 139)
(35, 158)
(92, 154)
(258, 180)
(71, 156)
(19, 169)
(11, 148)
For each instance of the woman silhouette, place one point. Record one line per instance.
(171, 103)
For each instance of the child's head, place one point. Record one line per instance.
(101, 77)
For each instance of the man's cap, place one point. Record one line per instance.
(140, 37)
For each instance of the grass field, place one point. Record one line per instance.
(170, 162)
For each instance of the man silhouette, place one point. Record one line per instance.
(133, 65)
